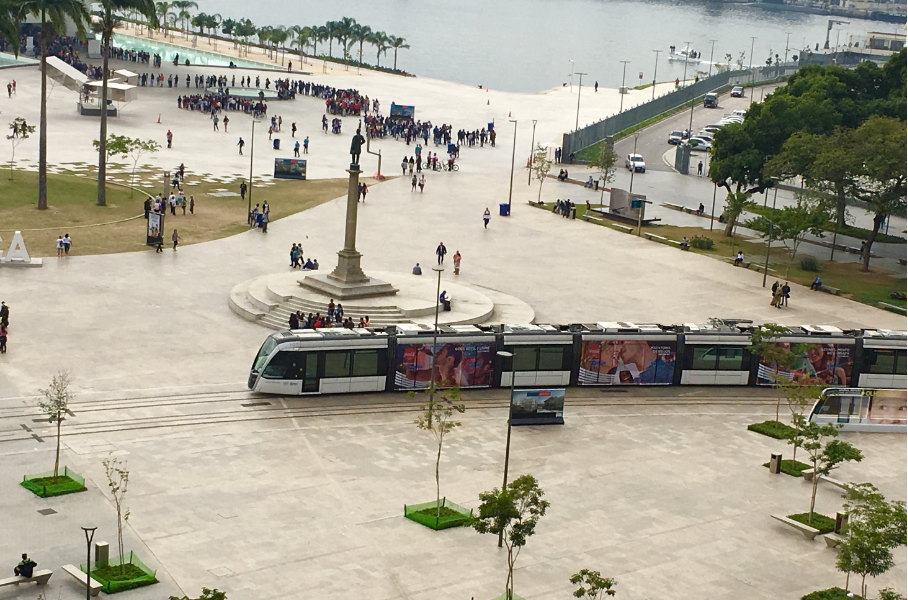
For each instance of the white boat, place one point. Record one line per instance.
(685, 56)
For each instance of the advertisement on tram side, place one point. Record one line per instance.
(831, 364)
(461, 364)
(627, 362)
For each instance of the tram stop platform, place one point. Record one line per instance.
(268, 300)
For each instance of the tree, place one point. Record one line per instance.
(735, 204)
(361, 34)
(53, 15)
(764, 342)
(513, 513)
(379, 39)
(791, 224)
(605, 160)
(330, 32)
(320, 35)
(398, 43)
(20, 132)
(540, 167)
(207, 594)
(436, 418)
(799, 395)
(593, 586)
(105, 24)
(9, 24)
(302, 39)
(56, 406)
(824, 457)
(343, 33)
(133, 148)
(879, 175)
(118, 482)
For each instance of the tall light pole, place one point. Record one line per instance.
(513, 154)
(787, 36)
(711, 51)
(532, 153)
(655, 68)
(507, 448)
(631, 190)
(572, 76)
(251, 155)
(686, 58)
(621, 91)
(89, 536)
(712, 213)
(579, 89)
(751, 67)
(438, 269)
(769, 238)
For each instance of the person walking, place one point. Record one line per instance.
(242, 189)
(4, 314)
(422, 182)
(265, 217)
(700, 169)
(60, 246)
(786, 293)
(173, 205)
(176, 239)
(413, 182)
(403, 166)
(412, 164)
(306, 145)
(296, 149)
(293, 129)
(241, 143)
(457, 262)
(67, 242)
(486, 217)
(226, 120)
(364, 191)
(169, 139)
(440, 252)
(215, 120)
(191, 205)
(4, 333)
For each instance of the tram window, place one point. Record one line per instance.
(879, 361)
(900, 359)
(551, 358)
(365, 363)
(284, 365)
(729, 358)
(524, 358)
(265, 350)
(704, 358)
(337, 364)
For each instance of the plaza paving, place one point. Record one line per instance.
(675, 504)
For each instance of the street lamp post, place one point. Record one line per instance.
(712, 213)
(769, 238)
(513, 154)
(631, 190)
(751, 67)
(251, 155)
(572, 76)
(621, 91)
(438, 269)
(655, 68)
(532, 153)
(686, 58)
(579, 89)
(89, 536)
(711, 51)
(507, 448)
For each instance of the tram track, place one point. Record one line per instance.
(277, 409)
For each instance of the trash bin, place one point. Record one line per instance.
(504, 210)
(596, 185)
(277, 144)
(573, 211)
(775, 463)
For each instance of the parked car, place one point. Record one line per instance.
(738, 113)
(676, 137)
(712, 128)
(697, 143)
(737, 92)
(635, 162)
(706, 135)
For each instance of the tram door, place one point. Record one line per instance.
(309, 372)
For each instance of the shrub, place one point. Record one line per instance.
(773, 429)
(830, 594)
(703, 243)
(809, 263)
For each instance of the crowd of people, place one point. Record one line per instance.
(298, 261)
(334, 319)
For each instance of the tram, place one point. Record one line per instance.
(337, 361)
(862, 409)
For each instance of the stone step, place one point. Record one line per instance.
(311, 306)
(241, 305)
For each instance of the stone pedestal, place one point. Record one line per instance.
(347, 280)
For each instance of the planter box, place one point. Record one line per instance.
(108, 574)
(42, 484)
(452, 515)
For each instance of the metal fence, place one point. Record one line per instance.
(591, 134)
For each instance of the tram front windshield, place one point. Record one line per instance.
(263, 354)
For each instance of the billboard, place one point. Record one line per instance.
(831, 364)
(462, 364)
(537, 407)
(400, 110)
(627, 362)
(154, 233)
(289, 168)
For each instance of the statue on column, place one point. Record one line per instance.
(356, 146)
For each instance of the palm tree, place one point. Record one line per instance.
(105, 23)
(162, 9)
(331, 28)
(280, 36)
(9, 24)
(214, 21)
(361, 34)
(398, 43)
(53, 15)
(344, 33)
(320, 35)
(245, 28)
(303, 36)
(379, 39)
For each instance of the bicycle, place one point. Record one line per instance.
(450, 167)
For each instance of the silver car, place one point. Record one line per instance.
(635, 162)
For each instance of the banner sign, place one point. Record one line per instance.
(400, 110)
(537, 407)
(289, 168)
(461, 364)
(154, 234)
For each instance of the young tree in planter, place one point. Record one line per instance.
(118, 482)
(133, 148)
(21, 130)
(56, 406)
(875, 528)
(791, 224)
(207, 594)
(735, 204)
(799, 395)
(764, 342)
(513, 513)
(593, 586)
(436, 418)
(605, 160)
(824, 457)
(540, 167)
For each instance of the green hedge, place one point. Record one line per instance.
(830, 594)
(428, 514)
(42, 484)
(115, 579)
(821, 522)
(773, 429)
(792, 467)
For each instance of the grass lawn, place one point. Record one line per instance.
(793, 468)
(118, 578)
(45, 486)
(823, 523)
(773, 429)
(849, 230)
(72, 209)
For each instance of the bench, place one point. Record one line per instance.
(833, 539)
(807, 474)
(587, 217)
(835, 482)
(829, 290)
(79, 576)
(809, 532)
(673, 206)
(653, 236)
(40, 577)
(892, 307)
(623, 228)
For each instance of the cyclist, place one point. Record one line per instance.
(451, 161)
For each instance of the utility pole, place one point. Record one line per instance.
(686, 58)
(752, 74)
(621, 91)
(513, 153)
(572, 76)
(579, 89)
(656, 68)
(711, 51)
(532, 154)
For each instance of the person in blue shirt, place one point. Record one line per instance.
(816, 283)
